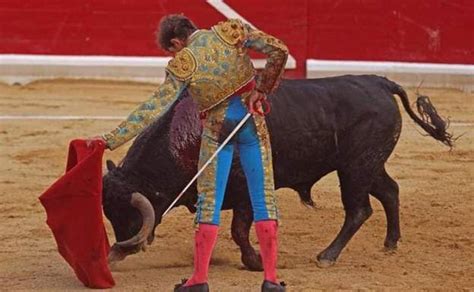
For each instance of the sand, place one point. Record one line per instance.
(436, 194)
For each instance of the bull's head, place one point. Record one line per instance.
(131, 214)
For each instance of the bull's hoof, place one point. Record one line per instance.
(390, 245)
(253, 262)
(323, 264)
(324, 260)
(390, 249)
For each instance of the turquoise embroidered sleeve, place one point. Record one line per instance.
(277, 54)
(146, 113)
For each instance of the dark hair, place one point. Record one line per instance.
(173, 26)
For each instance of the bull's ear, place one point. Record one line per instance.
(110, 165)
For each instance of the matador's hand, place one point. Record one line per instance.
(91, 140)
(254, 103)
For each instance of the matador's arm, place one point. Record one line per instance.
(276, 52)
(146, 113)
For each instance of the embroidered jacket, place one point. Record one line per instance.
(213, 66)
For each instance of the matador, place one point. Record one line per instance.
(215, 67)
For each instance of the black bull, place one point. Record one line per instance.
(348, 124)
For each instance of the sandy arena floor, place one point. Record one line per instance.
(436, 194)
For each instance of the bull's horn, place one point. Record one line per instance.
(140, 202)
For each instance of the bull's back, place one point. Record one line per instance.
(307, 116)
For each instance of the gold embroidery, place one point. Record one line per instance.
(215, 63)
(206, 183)
(221, 70)
(231, 31)
(183, 65)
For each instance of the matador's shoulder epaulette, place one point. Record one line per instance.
(231, 31)
(183, 65)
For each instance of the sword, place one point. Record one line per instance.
(237, 128)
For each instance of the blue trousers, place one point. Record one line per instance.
(253, 144)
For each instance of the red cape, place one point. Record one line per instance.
(74, 209)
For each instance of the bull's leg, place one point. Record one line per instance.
(241, 222)
(385, 189)
(355, 197)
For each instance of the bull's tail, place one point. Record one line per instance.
(429, 119)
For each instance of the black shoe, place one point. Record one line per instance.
(268, 286)
(193, 288)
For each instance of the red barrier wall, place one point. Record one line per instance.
(435, 31)
(88, 27)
